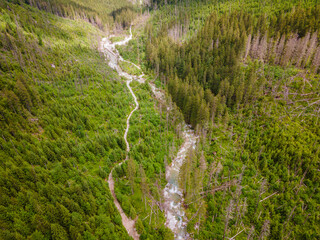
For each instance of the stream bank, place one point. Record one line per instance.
(173, 204)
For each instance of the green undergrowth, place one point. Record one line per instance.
(134, 51)
(153, 140)
(117, 38)
(130, 68)
(255, 172)
(264, 150)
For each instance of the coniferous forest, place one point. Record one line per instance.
(225, 93)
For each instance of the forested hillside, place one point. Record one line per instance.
(213, 57)
(244, 75)
(248, 80)
(63, 114)
(103, 14)
(58, 124)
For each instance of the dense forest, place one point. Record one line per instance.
(212, 59)
(103, 14)
(247, 79)
(63, 113)
(57, 129)
(245, 75)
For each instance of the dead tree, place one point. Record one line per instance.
(228, 216)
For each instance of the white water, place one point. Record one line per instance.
(174, 212)
(173, 196)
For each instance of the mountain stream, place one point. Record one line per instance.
(173, 204)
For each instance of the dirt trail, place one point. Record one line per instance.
(113, 56)
(174, 212)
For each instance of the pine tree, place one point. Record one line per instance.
(23, 95)
(58, 232)
(144, 184)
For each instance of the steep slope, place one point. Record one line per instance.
(244, 74)
(103, 14)
(62, 116)
(247, 81)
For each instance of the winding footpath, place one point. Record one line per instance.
(173, 204)
(113, 55)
